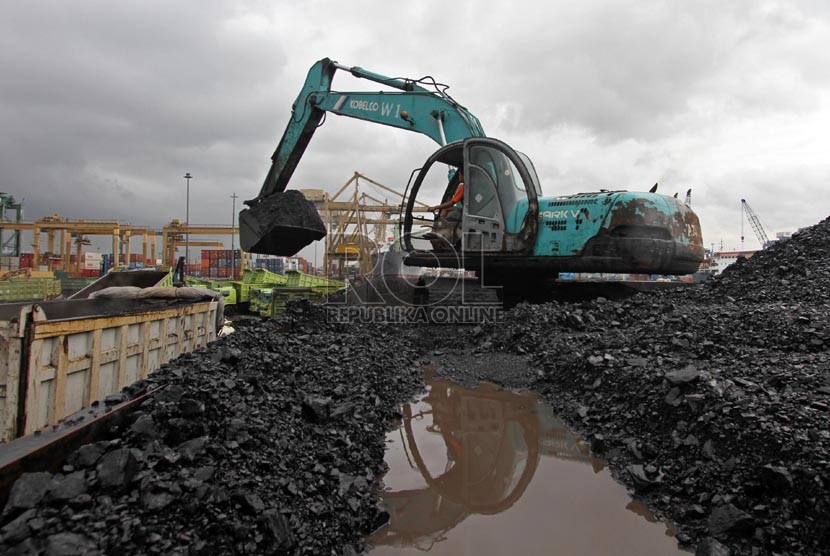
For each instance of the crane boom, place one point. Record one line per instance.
(760, 233)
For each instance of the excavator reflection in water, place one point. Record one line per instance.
(493, 440)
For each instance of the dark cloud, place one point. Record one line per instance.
(104, 106)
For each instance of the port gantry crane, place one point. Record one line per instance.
(760, 233)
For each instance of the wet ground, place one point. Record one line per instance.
(489, 471)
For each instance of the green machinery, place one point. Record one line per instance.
(24, 288)
(266, 292)
(224, 287)
(270, 300)
(507, 226)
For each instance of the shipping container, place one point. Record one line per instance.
(26, 260)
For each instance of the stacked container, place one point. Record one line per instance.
(273, 264)
(91, 263)
(136, 260)
(218, 263)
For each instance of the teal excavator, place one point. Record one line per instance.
(506, 226)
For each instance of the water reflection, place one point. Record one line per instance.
(473, 452)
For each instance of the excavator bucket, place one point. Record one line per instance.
(280, 224)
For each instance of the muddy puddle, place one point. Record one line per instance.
(488, 472)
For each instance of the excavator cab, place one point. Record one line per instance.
(508, 227)
(498, 212)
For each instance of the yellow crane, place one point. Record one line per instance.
(61, 233)
(357, 222)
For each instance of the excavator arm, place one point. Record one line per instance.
(429, 111)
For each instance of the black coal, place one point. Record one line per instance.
(270, 441)
(711, 404)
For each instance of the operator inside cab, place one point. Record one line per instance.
(449, 213)
(451, 209)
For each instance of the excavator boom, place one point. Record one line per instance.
(264, 227)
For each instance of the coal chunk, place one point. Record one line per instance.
(728, 518)
(249, 501)
(117, 469)
(683, 376)
(70, 486)
(316, 409)
(777, 479)
(644, 477)
(191, 449)
(190, 408)
(712, 547)
(28, 491)
(115, 399)
(279, 537)
(89, 454)
(144, 427)
(70, 544)
(156, 499)
(204, 473)
(17, 529)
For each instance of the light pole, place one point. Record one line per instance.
(187, 176)
(233, 226)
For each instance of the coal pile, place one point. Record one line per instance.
(713, 404)
(270, 441)
(794, 269)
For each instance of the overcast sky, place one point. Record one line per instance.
(105, 105)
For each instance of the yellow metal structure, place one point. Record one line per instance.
(61, 233)
(357, 222)
(173, 235)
